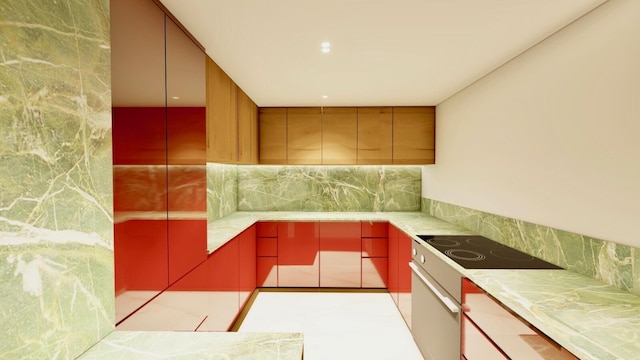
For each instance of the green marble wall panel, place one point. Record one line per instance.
(56, 202)
(222, 190)
(615, 264)
(329, 188)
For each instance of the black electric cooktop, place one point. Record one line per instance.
(478, 252)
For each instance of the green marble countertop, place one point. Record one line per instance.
(587, 317)
(220, 231)
(134, 345)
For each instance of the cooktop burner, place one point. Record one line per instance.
(478, 252)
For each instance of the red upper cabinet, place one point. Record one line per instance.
(340, 253)
(298, 260)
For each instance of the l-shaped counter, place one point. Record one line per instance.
(589, 318)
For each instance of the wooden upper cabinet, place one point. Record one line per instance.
(414, 135)
(222, 129)
(272, 124)
(304, 136)
(340, 136)
(232, 120)
(375, 135)
(347, 135)
(247, 129)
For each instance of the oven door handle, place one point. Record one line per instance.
(444, 299)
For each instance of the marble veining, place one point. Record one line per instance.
(56, 202)
(612, 263)
(589, 318)
(222, 190)
(329, 188)
(136, 345)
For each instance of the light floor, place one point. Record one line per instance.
(336, 325)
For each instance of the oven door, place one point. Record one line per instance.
(435, 317)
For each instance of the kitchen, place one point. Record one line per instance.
(538, 139)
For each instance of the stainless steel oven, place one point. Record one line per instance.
(437, 287)
(435, 305)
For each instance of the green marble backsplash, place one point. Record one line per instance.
(615, 264)
(56, 197)
(222, 190)
(329, 188)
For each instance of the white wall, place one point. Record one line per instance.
(552, 137)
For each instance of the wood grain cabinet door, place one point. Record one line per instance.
(375, 135)
(247, 129)
(414, 135)
(304, 136)
(272, 125)
(222, 126)
(339, 136)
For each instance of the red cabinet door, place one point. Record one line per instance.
(340, 254)
(267, 271)
(375, 272)
(404, 276)
(224, 296)
(394, 261)
(298, 260)
(247, 264)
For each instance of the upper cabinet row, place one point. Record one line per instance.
(239, 132)
(232, 120)
(347, 135)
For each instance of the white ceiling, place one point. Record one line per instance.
(384, 52)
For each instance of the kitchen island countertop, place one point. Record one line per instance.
(134, 345)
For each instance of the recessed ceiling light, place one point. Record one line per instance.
(175, 97)
(326, 50)
(326, 44)
(325, 97)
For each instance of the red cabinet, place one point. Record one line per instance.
(247, 264)
(298, 260)
(394, 263)
(267, 254)
(340, 254)
(399, 284)
(224, 295)
(404, 276)
(374, 254)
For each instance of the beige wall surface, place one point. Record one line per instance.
(552, 137)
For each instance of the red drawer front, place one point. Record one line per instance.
(267, 246)
(374, 247)
(267, 229)
(375, 229)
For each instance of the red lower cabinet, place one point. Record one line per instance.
(399, 283)
(247, 264)
(374, 273)
(298, 260)
(224, 296)
(404, 276)
(394, 263)
(375, 251)
(340, 254)
(267, 271)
